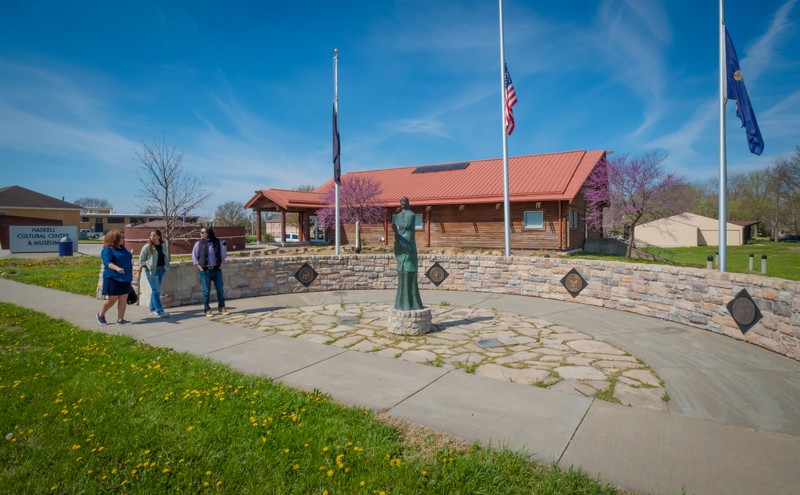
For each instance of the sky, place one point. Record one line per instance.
(245, 88)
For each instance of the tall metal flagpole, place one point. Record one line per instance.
(723, 174)
(336, 111)
(506, 202)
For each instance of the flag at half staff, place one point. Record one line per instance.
(737, 91)
(511, 100)
(337, 166)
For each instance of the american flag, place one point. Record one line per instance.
(511, 100)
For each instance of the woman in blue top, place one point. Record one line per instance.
(117, 276)
(154, 259)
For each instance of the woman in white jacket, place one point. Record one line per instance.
(154, 260)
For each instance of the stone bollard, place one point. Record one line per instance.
(751, 262)
(710, 262)
(763, 264)
(413, 322)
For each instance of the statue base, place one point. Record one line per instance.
(413, 322)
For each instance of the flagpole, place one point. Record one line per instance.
(336, 113)
(723, 174)
(503, 96)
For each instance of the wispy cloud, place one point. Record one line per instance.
(764, 52)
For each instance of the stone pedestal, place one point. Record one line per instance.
(414, 322)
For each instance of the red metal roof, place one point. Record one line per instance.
(549, 177)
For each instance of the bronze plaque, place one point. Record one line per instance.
(305, 275)
(436, 274)
(574, 282)
(744, 310)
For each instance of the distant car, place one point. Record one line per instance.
(790, 238)
(292, 238)
(90, 234)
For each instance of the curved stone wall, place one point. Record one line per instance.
(689, 296)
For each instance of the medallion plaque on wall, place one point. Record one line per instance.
(436, 274)
(574, 282)
(305, 275)
(744, 310)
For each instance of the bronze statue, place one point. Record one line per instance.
(405, 250)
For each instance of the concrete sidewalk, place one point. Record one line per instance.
(733, 425)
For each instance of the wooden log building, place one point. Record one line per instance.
(461, 204)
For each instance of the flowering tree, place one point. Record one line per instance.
(358, 202)
(635, 190)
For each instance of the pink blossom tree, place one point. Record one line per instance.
(358, 202)
(635, 189)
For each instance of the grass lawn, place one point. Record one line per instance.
(86, 412)
(75, 274)
(783, 258)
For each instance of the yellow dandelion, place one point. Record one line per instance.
(190, 428)
(296, 467)
(53, 488)
(206, 484)
(208, 473)
(362, 483)
(165, 470)
(219, 483)
(424, 473)
(329, 473)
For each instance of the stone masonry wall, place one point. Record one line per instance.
(690, 296)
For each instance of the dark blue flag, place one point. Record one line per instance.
(337, 166)
(737, 91)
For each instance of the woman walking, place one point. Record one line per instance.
(117, 276)
(154, 260)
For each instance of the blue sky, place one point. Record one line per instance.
(245, 89)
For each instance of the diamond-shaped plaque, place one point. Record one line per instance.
(574, 282)
(436, 274)
(305, 275)
(744, 310)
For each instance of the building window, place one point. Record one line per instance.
(85, 219)
(533, 220)
(574, 217)
(115, 220)
(417, 220)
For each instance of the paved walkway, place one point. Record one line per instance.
(732, 423)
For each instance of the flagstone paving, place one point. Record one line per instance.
(494, 344)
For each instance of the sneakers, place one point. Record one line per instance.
(209, 313)
(154, 313)
(124, 322)
(162, 314)
(223, 311)
(101, 320)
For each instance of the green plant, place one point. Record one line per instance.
(106, 414)
(444, 303)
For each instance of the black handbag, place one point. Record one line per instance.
(133, 297)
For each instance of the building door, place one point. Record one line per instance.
(98, 225)
(317, 231)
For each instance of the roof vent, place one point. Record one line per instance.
(440, 168)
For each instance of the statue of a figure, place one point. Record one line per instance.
(405, 250)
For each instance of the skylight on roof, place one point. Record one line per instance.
(440, 168)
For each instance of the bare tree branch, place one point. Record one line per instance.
(166, 189)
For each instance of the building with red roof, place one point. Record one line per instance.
(461, 204)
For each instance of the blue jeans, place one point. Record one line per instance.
(206, 278)
(154, 278)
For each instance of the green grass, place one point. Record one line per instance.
(75, 274)
(86, 412)
(783, 258)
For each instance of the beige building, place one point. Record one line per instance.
(688, 229)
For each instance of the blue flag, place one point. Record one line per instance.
(737, 91)
(337, 167)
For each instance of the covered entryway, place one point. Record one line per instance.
(282, 201)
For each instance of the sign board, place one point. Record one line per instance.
(40, 238)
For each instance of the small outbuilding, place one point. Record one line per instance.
(688, 230)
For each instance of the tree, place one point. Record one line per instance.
(166, 189)
(636, 190)
(88, 203)
(358, 202)
(306, 188)
(231, 213)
